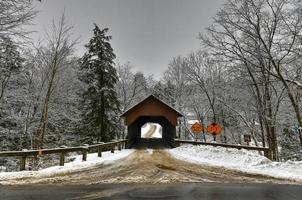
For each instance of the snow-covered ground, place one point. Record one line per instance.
(242, 160)
(76, 165)
(158, 132)
(145, 130)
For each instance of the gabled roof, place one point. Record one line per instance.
(147, 98)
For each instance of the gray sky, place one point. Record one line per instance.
(147, 33)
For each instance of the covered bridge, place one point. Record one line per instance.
(151, 110)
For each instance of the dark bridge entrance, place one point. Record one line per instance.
(152, 110)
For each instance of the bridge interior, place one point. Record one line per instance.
(136, 141)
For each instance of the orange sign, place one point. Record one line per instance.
(214, 129)
(196, 128)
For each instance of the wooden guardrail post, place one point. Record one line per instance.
(22, 163)
(84, 152)
(100, 148)
(112, 148)
(119, 146)
(125, 144)
(99, 151)
(62, 157)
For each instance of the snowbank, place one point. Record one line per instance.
(76, 165)
(242, 160)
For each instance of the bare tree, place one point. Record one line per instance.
(13, 15)
(176, 78)
(131, 87)
(260, 36)
(206, 74)
(60, 47)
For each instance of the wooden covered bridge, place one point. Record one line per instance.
(151, 110)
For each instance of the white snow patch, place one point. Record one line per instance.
(76, 165)
(94, 57)
(192, 121)
(158, 131)
(242, 160)
(145, 129)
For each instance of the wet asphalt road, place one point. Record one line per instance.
(205, 191)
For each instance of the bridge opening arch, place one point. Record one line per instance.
(151, 130)
(154, 111)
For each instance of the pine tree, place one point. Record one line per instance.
(99, 100)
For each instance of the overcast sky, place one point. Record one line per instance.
(147, 33)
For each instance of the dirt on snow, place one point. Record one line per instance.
(151, 166)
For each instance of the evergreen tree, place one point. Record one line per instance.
(99, 99)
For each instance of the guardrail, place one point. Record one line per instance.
(264, 149)
(63, 150)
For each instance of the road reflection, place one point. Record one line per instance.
(169, 191)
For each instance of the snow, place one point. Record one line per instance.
(156, 134)
(158, 131)
(192, 121)
(242, 160)
(94, 57)
(145, 129)
(76, 165)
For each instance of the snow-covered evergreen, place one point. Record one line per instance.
(99, 99)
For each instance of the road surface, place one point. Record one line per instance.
(152, 174)
(151, 166)
(187, 191)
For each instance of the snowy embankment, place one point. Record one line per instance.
(76, 165)
(242, 160)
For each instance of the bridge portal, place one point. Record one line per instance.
(151, 109)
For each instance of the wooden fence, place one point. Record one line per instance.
(64, 150)
(264, 149)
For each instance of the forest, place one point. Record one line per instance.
(246, 76)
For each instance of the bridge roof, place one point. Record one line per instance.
(151, 106)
